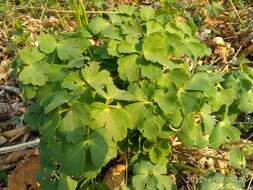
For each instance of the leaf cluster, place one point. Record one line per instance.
(124, 84)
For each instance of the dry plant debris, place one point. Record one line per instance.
(23, 178)
(15, 157)
(115, 176)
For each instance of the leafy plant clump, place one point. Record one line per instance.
(125, 85)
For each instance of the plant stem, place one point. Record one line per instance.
(231, 2)
(85, 21)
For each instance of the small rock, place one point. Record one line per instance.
(219, 41)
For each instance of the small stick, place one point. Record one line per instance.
(250, 182)
(18, 147)
(240, 48)
(249, 137)
(231, 2)
(216, 60)
(43, 11)
(7, 167)
(11, 89)
(126, 172)
(14, 132)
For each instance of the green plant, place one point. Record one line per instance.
(124, 86)
(3, 178)
(80, 12)
(214, 8)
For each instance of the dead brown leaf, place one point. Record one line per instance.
(115, 176)
(3, 140)
(10, 134)
(19, 155)
(24, 175)
(5, 111)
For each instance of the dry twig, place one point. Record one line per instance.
(231, 2)
(18, 147)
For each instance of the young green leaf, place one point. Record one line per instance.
(116, 19)
(208, 119)
(66, 183)
(147, 13)
(173, 30)
(132, 27)
(152, 27)
(112, 48)
(191, 133)
(29, 91)
(237, 158)
(168, 102)
(151, 177)
(77, 62)
(128, 68)
(190, 101)
(127, 9)
(224, 133)
(201, 82)
(196, 49)
(246, 102)
(130, 45)
(72, 82)
(114, 120)
(114, 93)
(95, 78)
(110, 32)
(34, 74)
(149, 70)
(97, 25)
(183, 26)
(160, 152)
(223, 97)
(141, 112)
(72, 47)
(74, 122)
(47, 43)
(155, 48)
(30, 56)
(84, 156)
(54, 101)
(178, 76)
(151, 126)
(56, 72)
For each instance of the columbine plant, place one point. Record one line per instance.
(122, 86)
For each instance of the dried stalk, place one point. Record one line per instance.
(231, 2)
(18, 147)
(11, 89)
(250, 182)
(58, 10)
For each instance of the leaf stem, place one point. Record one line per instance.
(112, 106)
(148, 102)
(107, 101)
(231, 2)
(88, 132)
(64, 110)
